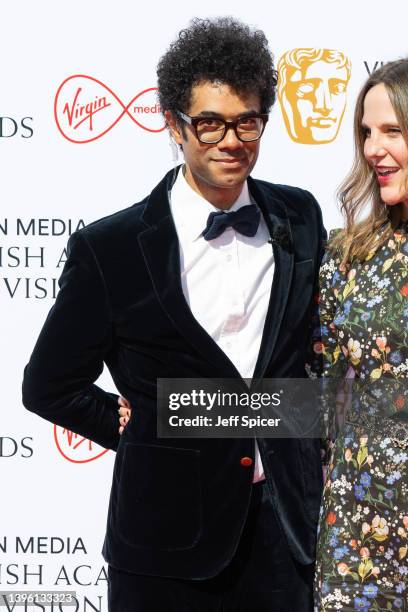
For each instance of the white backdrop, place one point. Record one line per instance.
(54, 486)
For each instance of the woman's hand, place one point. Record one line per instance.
(124, 412)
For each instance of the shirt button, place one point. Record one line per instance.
(228, 345)
(229, 257)
(246, 461)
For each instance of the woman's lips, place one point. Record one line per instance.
(385, 174)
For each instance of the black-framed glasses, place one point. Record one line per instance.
(210, 130)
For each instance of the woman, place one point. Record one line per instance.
(363, 333)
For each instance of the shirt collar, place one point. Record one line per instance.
(190, 210)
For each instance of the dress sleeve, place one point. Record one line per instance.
(326, 359)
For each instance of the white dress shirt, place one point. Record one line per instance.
(226, 281)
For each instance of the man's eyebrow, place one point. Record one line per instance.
(206, 113)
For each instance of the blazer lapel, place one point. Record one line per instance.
(276, 218)
(160, 248)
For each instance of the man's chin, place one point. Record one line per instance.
(231, 181)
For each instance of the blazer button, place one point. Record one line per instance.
(246, 461)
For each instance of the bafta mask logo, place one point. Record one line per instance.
(312, 93)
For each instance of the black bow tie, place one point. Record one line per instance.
(245, 220)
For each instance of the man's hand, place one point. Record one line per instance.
(124, 412)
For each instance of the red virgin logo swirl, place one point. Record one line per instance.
(86, 109)
(76, 448)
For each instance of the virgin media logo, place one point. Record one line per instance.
(76, 448)
(86, 109)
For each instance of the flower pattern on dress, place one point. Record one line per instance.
(363, 530)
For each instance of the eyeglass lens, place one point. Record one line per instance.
(212, 130)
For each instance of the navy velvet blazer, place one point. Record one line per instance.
(177, 507)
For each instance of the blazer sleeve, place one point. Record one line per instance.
(69, 354)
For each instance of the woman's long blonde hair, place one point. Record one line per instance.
(362, 237)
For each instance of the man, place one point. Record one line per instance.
(312, 93)
(174, 287)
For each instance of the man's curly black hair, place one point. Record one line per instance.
(221, 50)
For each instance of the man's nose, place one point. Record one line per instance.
(323, 102)
(230, 140)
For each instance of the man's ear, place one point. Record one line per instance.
(173, 126)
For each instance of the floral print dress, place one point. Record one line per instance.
(362, 560)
